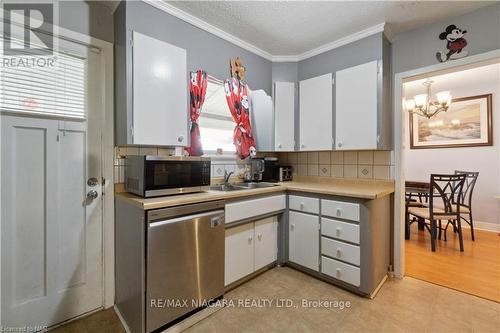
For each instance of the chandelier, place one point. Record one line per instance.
(423, 106)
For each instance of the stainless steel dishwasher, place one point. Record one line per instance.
(185, 261)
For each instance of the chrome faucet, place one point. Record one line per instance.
(226, 177)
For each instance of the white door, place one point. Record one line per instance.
(239, 252)
(284, 116)
(304, 240)
(315, 108)
(356, 107)
(51, 245)
(160, 87)
(266, 241)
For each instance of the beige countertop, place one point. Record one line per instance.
(354, 188)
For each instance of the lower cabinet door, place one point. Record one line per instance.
(266, 241)
(239, 257)
(303, 240)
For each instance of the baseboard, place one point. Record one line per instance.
(485, 226)
(124, 323)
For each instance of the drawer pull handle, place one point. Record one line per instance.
(339, 252)
(339, 212)
(338, 271)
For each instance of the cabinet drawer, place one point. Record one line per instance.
(249, 208)
(340, 250)
(341, 230)
(303, 204)
(340, 271)
(340, 209)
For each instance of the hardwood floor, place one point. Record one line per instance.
(475, 271)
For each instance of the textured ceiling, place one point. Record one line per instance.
(295, 27)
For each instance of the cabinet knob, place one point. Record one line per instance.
(250, 239)
(339, 252)
(338, 229)
(292, 227)
(302, 146)
(338, 271)
(339, 212)
(180, 138)
(280, 146)
(259, 236)
(302, 206)
(340, 144)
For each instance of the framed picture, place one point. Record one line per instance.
(467, 123)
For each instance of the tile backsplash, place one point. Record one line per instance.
(338, 164)
(341, 164)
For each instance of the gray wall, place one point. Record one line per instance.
(285, 71)
(359, 52)
(204, 50)
(91, 18)
(417, 48)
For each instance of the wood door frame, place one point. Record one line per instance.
(108, 154)
(398, 127)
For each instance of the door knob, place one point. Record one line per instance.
(92, 181)
(92, 194)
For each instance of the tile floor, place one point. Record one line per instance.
(407, 305)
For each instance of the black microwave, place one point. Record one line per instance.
(152, 176)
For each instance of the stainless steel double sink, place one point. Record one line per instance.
(240, 186)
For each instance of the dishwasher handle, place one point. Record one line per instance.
(216, 220)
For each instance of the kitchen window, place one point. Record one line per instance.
(216, 123)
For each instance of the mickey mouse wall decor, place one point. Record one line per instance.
(455, 43)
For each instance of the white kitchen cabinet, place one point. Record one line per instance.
(247, 209)
(303, 240)
(315, 109)
(261, 117)
(266, 242)
(160, 87)
(284, 116)
(357, 107)
(239, 257)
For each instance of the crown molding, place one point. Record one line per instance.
(343, 41)
(186, 17)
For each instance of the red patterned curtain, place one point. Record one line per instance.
(197, 91)
(237, 100)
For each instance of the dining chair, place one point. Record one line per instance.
(445, 201)
(466, 208)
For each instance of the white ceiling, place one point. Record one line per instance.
(290, 28)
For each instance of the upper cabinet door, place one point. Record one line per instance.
(284, 122)
(160, 86)
(315, 103)
(261, 116)
(357, 107)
